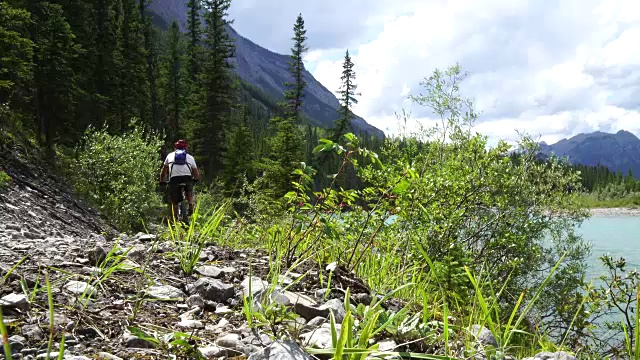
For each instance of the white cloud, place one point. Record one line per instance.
(550, 68)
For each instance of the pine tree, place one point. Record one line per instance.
(16, 66)
(295, 92)
(171, 82)
(240, 156)
(194, 31)
(347, 98)
(151, 52)
(54, 79)
(106, 56)
(216, 92)
(286, 145)
(133, 86)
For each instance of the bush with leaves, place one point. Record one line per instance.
(5, 179)
(464, 203)
(118, 174)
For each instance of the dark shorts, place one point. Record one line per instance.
(174, 187)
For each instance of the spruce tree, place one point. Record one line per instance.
(347, 98)
(171, 82)
(16, 66)
(133, 85)
(150, 50)
(54, 79)
(295, 89)
(194, 32)
(216, 92)
(286, 145)
(240, 156)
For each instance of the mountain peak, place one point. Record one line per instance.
(268, 71)
(618, 152)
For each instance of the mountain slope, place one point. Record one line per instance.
(268, 71)
(618, 152)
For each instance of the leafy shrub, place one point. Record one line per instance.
(4, 180)
(118, 175)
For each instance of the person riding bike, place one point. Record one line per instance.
(182, 169)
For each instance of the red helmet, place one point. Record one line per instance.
(181, 144)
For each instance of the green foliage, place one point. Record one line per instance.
(190, 242)
(5, 180)
(118, 175)
(16, 68)
(16, 50)
(285, 156)
(610, 312)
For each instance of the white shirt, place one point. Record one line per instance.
(179, 170)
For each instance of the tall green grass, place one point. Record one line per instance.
(189, 242)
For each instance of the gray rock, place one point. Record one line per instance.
(257, 285)
(221, 310)
(132, 341)
(97, 255)
(32, 235)
(79, 357)
(309, 312)
(165, 292)
(80, 288)
(337, 307)
(190, 324)
(195, 301)
(483, 335)
(14, 227)
(211, 352)
(213, 290)
(138, 253)
(52, 355)
(17, 343)
(315, 323)
(33, 332)
(361, 298)
(386, 345)
(144, 237)
(209, 270)
(15, 301)
(560, 355)
(107, 356)
(319, 338)
(280, 350)
(228, 270)
(230, 341)
(262, 340)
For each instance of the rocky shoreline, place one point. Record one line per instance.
(613, 212)
(147, 309)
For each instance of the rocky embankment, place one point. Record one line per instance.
(101, 313)
(119, 296)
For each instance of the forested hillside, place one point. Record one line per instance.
(69, 65)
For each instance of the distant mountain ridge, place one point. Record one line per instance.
(618, 152)
(268, 71)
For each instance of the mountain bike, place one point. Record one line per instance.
(182, 214)
(183, 205)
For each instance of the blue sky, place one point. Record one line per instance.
(552, 69)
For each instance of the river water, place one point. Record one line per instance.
(619, 236)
